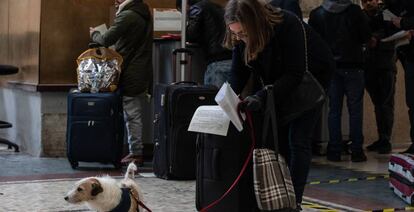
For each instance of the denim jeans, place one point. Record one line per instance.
(380, 85)
(349, 83)
(217, 73)
(409, 92)
(295, 142)
(133, 108)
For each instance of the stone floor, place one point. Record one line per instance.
(39, 184)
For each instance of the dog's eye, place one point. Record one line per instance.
(79, 189)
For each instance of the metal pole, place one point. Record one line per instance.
(183, 35)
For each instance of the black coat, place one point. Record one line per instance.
(382, 56)
(290, 5)
(345, 32)
(207, 28)
(282, 62)
(132, 34)
(407, 21)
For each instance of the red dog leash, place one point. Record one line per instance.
(139, 202)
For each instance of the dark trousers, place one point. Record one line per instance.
(409, 91)
(349, 83)
(380, 85)
(295, 141)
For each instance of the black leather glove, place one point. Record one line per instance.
(253, 103)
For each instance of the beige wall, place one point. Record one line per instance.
(19, 32)
(401, 133)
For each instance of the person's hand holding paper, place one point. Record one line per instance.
(228, 101)
(101, 29)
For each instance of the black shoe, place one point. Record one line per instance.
(333, 156)
(374, 146)
(385, 148)
(298, 208)
(346, 147)
(358, 156)
(410, 149)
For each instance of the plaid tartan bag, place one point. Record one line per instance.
(271, 177)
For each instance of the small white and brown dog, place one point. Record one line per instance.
(108, 194)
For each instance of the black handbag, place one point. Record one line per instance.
(305, 97)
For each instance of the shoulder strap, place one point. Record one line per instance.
(306, 44)
(270, 118)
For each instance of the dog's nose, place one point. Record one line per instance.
(66, 198)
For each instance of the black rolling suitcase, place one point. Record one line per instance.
(174, 145)
(219, 162)
(95, 128)
(174, 106)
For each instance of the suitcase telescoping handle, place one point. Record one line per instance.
(185, 82)
(184, 60)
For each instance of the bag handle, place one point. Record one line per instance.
(246, 163)
(270, 116)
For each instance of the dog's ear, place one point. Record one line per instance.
(96, 188)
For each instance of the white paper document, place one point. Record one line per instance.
(402, 42)
(228, 101)
(396, 36)
(101, 28)
(388, 15)
(210, 119)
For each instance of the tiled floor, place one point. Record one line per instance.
(39, 184)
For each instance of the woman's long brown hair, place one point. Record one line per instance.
(257, 21)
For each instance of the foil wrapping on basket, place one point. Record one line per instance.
(96, 74)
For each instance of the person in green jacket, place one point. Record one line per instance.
(132, 34)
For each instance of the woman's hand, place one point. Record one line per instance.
(252, 103)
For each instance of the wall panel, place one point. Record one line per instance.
(24, 31)
(65, 35)
(4, 31)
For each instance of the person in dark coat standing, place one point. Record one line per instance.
(380, 74)
(206, 27)
(404, 9)
(270, 43)
(291, 5)
(132, 34)
(345, 28)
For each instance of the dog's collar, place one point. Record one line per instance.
(125, 202)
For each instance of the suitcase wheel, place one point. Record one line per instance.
(74, 164)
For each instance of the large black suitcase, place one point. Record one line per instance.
(174, 145)
(95, 128)
(219, 162)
